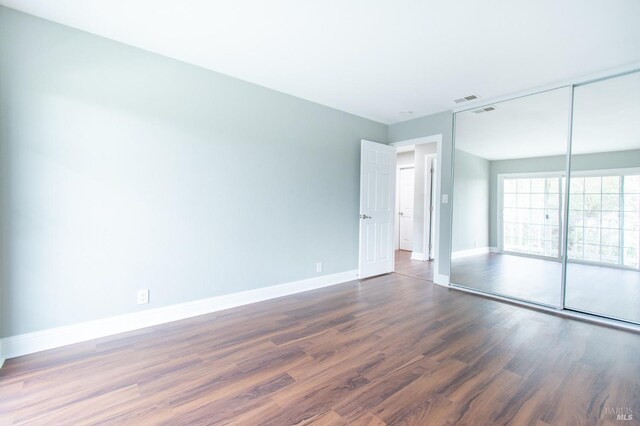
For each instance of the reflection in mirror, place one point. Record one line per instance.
(603, 242)
(508, 197)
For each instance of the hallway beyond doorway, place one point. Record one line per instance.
(413, 268)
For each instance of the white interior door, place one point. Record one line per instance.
(405, 209)
(377, 199)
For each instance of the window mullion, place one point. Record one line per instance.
(621, 222)
(560, 221)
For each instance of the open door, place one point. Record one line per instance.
(377, 201)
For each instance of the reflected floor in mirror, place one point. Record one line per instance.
(595, 289)
(604, 291)
(531, 279)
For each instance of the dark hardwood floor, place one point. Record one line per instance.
(387, 350)
(413, 268)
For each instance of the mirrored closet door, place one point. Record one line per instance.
(521, 229)
(603, 239)
(508, 197)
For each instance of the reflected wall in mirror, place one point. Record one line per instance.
(508, 197)
(603, 241)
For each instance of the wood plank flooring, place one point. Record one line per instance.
(388, 350)
(413, 268)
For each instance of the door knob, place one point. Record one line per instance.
(364, 216)
(401, 214)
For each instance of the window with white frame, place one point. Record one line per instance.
(531, 215)
(604, 216)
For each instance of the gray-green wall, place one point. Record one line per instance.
(123, 170)
(600, 161)
(441, 123)
(471, 207)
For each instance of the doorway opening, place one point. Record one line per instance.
(417, 192)
(404, 206)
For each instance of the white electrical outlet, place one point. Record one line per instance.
(143, 296)
(445, 198)
(319, 267)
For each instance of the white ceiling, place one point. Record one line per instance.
(372, 58)
(606, 117)
(405, 148)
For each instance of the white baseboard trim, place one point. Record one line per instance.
(1, 355)
(416, 255)
(473, 252)
(23, 344)
(440, 279)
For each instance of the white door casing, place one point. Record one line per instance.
(430, 204)
(377, 200)
(440, 199)
(405, 208)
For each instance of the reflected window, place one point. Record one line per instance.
(509, 164)
(603, 269)
(603, 219)
(531, 215)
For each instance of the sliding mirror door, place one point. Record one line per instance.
(603, 240)
(508, 197)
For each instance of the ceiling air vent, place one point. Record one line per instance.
(485, 109)
(466, 99)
